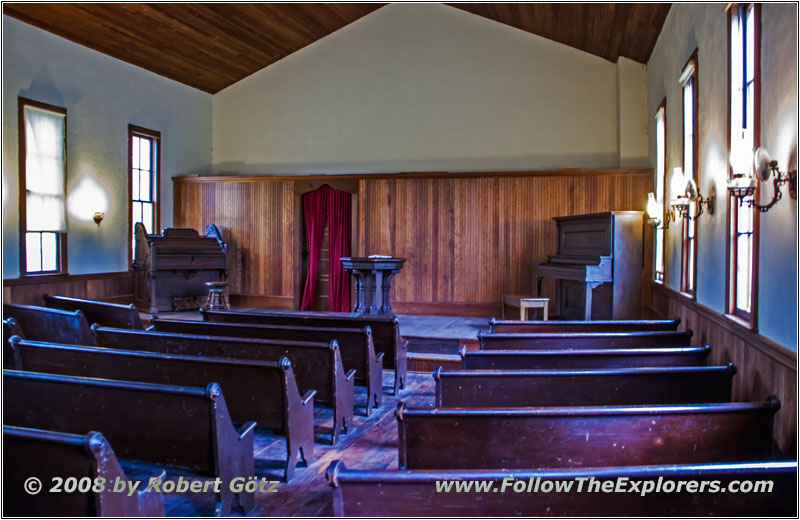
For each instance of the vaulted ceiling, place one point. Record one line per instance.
(210, 46)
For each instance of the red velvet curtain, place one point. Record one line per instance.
(337, 205)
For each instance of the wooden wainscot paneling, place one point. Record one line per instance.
(765, 368)
(470, 238)
(256, 218)
(109, 287)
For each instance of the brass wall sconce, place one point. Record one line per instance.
(682, 202)
(98, 218)
(743, 183)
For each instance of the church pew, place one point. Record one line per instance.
(262, 391)
(316, 366)
(584, 387)
(10, 328)
(182, 426)
(512, 326)
(106, 314)
(584, 340)
(413, 493)
(584, 358)
(569, 437)
(385, 331)
(47, 454)
(43, 324)
(355, 344)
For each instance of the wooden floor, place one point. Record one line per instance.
(370, 444)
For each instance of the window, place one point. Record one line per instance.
(661, 166)
(42, 181)
(145, 176)
(688, 81)
(744, 72)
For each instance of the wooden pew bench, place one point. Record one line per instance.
(47, 454)
(316, 366)
(584, 387)
(385, 331)
(413, 493)
(584, 340)
(584, 358)
(261, 391)
(188, 427)
(355, 344)
(43, 324)
(527, 327)
(10, 328)
(569, 437)
(105, 314)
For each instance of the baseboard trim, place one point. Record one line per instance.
(468, 309)
(259, 300)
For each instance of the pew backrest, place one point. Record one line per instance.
(584, 387)
(105, 314)
(583, 358)
(584, 436)
(385, 331)
(355, 344)
(44, 324)
(48, 454)
(420, 493)
(171, 425)
(584, 340)
(511, 326)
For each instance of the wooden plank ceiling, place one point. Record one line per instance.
(213, 45)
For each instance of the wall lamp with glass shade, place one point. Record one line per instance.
(654, 213)
(742, 184)
(688, 193)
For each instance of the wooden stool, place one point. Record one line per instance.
(217, 296)
(525, 303)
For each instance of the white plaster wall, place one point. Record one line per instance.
(102, 96)
(416, 87)
(633, 119)
(704, 26)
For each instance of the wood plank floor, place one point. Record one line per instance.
(371, 443)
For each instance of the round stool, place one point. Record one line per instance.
(217, 296)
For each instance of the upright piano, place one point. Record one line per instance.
(171, 269)
(597, 266)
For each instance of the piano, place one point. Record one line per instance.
(597, 266)
(171, 269)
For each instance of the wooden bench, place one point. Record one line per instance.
(316, 366)
(262, 391)
(524, 303)
(413, 493)
(385, 331)
(569, 437)
(169, 425)
(584, 340)
(597, 387)
(106, 314)
(355, 344)
(47, 454)
(587, 358)
(506, 326)
(43, 324)
(10, 328)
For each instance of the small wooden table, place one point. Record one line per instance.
(524, 303)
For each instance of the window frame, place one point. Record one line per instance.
(155, 136)
(731, 253)
(661, 230)
(689, 244)
(61, 237)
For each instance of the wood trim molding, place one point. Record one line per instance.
(61, 277)
(194, 178)
(778, 352)
(264, 301)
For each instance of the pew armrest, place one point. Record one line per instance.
(308, 396)
(350, 374)
(404, 344)
(379, 358)
(151, 328)
(246, 429)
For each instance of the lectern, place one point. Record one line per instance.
(373, 282)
